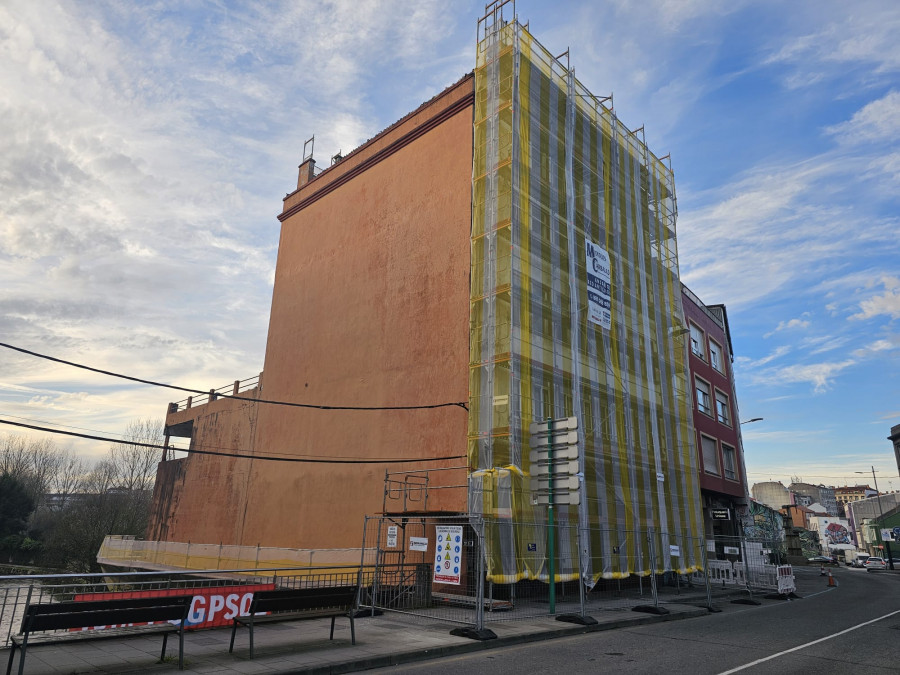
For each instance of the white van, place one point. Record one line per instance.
(857, 560)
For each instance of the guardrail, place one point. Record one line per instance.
(217, 594)
(232, 389)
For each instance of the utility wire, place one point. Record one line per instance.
(67, 426)
(125, 440)
(269, 458)
(459, 404)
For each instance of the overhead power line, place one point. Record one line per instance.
(458, 404)
(239, 455)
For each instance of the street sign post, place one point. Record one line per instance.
(554, 465)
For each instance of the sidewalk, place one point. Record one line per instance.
(304, 647)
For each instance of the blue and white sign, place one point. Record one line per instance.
(599, 290)
(447, 556)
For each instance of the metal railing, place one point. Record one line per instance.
(217, 594)
(232, 389)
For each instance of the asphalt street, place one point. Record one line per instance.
(851, 628)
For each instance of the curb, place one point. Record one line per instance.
(474, 646)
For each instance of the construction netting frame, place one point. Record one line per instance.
(559, 185)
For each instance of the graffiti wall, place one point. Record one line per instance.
(762, 522)
(809, 543)
(834, 533)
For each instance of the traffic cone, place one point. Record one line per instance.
(831, 581)
(822, 571)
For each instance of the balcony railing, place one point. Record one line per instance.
(232, 389)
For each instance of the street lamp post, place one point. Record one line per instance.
(887, 544)
(755, 419)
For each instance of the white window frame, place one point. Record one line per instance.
(715, 356)
(698, 340)
(729, 451)
(707, 395)
(726, 418)
(705, 457)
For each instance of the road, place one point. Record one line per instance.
(853, 628)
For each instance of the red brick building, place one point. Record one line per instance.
(723, 481)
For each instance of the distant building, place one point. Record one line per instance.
(799, 515)
(834, 534)
(771, 493)
(817, 493)
(723, 481)
(852, 493)
(869, 510)
(894, 438)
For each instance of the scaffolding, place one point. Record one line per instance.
(556, 175)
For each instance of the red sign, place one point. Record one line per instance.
(211, 606)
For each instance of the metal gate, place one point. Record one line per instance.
(424, 565)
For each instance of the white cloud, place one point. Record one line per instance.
(144, 154)
(788, 325)
(885, 344)
(778, 352)
(887, 303)
(878, 121)
(820, 375)
(826, 344)
(861, 43)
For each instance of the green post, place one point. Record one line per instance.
(551, 532)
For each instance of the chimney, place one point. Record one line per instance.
(307, 171)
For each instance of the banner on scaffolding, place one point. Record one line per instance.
(448, 554)
(598, 283)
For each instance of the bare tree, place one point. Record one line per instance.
(113, 497)
(69, 480)
(33, 462)
(133, 467)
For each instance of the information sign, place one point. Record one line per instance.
(598, 285)
(448, 554)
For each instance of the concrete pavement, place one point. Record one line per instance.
(390, 639)
(304, 647)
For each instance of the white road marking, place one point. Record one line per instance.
(808, 644)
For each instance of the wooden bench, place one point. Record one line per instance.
(119, 612)
(295, 605)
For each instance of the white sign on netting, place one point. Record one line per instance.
(448, 554)
(598, 285)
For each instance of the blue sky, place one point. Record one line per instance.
(146, 148)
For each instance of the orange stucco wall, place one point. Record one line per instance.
(201, 497)
(370, 308)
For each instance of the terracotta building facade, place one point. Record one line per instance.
(504, 254)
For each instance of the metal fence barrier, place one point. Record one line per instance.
(217, 594)
(461, 571)
(444, 568)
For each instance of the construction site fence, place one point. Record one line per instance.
(217, 594)
(415, 570)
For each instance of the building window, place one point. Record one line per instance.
(710, 455)
(703, 402)
(728, 458)
(722, 408)
(697, 342)
(715, 356)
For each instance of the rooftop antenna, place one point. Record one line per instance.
(308, 148)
